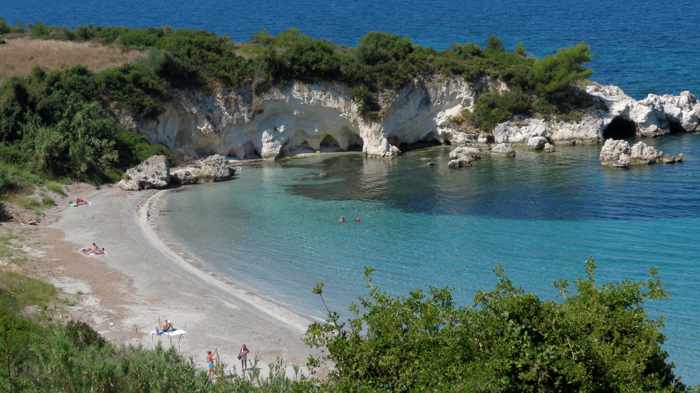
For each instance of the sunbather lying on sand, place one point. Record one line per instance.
(93, 250)
(79, 202)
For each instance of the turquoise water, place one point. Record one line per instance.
(540, 216)
(643, 45)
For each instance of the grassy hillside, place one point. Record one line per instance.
(21, 55)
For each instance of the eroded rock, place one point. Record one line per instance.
(214, 168)
(154, 173)
(619, 153)
(505, 149)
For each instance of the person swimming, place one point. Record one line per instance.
(357, 220)
(342, 220)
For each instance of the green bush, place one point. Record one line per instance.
(493, 108)
(597, 338)
(39, 30)
(4, 27)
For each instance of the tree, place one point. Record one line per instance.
(553, 75)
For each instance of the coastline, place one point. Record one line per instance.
(149, 281)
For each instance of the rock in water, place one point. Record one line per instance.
(505, 149)
(618, 153)
(549, 148)
(645, 154)
(462, 157)
(537, 142)
(154, 173)
(615, 153)
(211, 169)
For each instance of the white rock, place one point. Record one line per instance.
(549, 148)
(536, 142)
(214, 168)
(505, 149)
(152, 173)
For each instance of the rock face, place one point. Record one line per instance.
(211, 169)
(619, 153)
(505, 149)
(463, 156)
(154, 173)
(299, 117)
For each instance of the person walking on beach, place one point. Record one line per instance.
(210, 365)
(243, 357)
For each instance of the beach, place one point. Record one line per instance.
(142, 280)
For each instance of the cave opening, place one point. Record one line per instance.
(620, 128)
(675, 127)
(355, 143)
(329, 144)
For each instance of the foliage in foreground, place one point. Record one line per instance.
(598, 338)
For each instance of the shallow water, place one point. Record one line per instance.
(539, 215)
(643, 45)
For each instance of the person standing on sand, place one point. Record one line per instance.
(210, 365)
(243, 357)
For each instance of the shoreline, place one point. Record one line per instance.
(147, 281)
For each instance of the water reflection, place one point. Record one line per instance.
(568, 185)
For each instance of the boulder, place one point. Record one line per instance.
(465, 151)
(154, 173)
(537, 142)
(615, 153)
(645, 154)
(619, 153)
(549, 148)
(214, 168)
(505, 149)
(463, 156)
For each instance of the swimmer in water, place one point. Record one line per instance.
(342, 220)
(357, 220)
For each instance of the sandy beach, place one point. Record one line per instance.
(142, 280)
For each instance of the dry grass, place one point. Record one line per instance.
(19, 55)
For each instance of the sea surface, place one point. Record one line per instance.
(540, 216)
(645, 46)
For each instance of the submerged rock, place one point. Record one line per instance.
(549, 148)
(154, 173)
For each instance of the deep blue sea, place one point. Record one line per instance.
(642, 45)
(540, 215)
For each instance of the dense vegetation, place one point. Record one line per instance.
(60, 123)
(597, 338)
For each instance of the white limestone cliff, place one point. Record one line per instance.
(300, 118)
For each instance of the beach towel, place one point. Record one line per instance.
(91, 254)
(170, 333)
(73, 204)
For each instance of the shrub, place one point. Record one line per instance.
(39, 30)
(493, 108)
(597, 338)
(4, 27)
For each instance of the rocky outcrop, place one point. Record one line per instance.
(619, 153)
(214, 168)
(462, 157)
(299, 117)
(154, 173)
(505, 149)
(537, 142)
